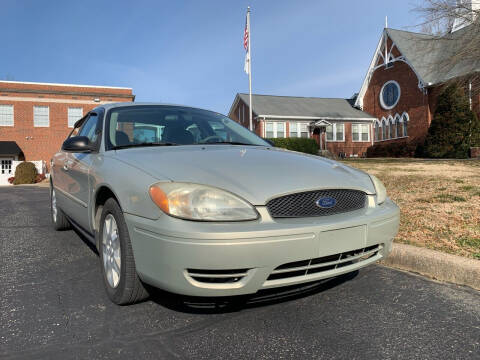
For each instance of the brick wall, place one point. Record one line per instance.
(412, 100)
(40, 143)
(348, 147)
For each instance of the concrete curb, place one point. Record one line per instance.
(435, 264)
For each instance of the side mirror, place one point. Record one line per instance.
(79, 144)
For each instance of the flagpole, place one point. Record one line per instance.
(249, 68)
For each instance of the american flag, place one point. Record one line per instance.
(245, 36)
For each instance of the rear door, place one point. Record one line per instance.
(78, 168)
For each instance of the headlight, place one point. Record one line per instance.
(200, 202)
(379, 189)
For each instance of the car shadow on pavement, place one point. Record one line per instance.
(218, 305)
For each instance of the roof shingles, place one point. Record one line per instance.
(292, 106)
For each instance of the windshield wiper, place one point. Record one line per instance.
(228, 142)
(144, 144)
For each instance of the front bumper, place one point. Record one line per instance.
(225, 259)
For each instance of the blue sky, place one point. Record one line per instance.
(191, 52)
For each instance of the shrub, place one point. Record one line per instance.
(454, 129)
(25, 173)
(10, 180)
(304, 145)
(397, 149)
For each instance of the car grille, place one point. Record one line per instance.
(325, 263)
(304, 204)
(217, 276)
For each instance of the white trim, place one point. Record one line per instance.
(315, 117)
(68, 115)
(360, 134)
(13, 115)
(380, 95)
(366, 80)
(401, 137)
(53, 100)
(47, 114)
(70, 85)
(275, 128)
(373, 66)
(299, 128)
(334, 133)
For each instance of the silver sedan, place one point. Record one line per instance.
(189, 201)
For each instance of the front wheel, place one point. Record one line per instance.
(120, 277)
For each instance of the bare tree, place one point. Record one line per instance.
(456, 25)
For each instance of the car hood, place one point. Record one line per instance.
(257, 174)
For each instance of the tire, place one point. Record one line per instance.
(117, 263)
(59, 220)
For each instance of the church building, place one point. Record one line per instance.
(396, 101)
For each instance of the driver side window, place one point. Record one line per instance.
(89, 129)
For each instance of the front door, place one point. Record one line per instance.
(5, 170)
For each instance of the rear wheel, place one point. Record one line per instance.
(120, 277)
(59, 220)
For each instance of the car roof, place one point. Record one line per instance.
(133, 104)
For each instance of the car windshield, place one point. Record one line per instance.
(173, 125)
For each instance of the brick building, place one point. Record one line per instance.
(397, 98)
(333, 123)
(35, 118)
(405, 77)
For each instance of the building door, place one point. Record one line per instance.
(5, 170)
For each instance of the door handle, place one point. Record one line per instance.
(67, 165)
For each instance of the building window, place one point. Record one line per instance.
(393, 129)
(360, 132)
(390, 94)
(377, 131)
(41, 116)
(6, 115)
(275, 130)
(74, 114)
(298, 129)
(336, 132)
(280, 130)
(405, 120)
(293, 128)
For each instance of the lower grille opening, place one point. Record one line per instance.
(223, 276)
(324, 263)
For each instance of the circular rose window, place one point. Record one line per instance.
(390, 94)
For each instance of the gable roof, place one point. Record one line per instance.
(271, 106)
(429, 55)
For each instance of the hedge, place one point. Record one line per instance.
(399, 149)
(308, 146)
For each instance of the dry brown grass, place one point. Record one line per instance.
(439, 201)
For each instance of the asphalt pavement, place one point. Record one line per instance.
(53, 305)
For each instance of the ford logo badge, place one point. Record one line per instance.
(326, 202)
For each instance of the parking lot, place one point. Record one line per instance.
(53, 305)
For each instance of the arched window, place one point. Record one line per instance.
(393, 129)
(398, 127)
(384, 129)
(377, 131)
(405, 120)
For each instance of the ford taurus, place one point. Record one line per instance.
(189, 201)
